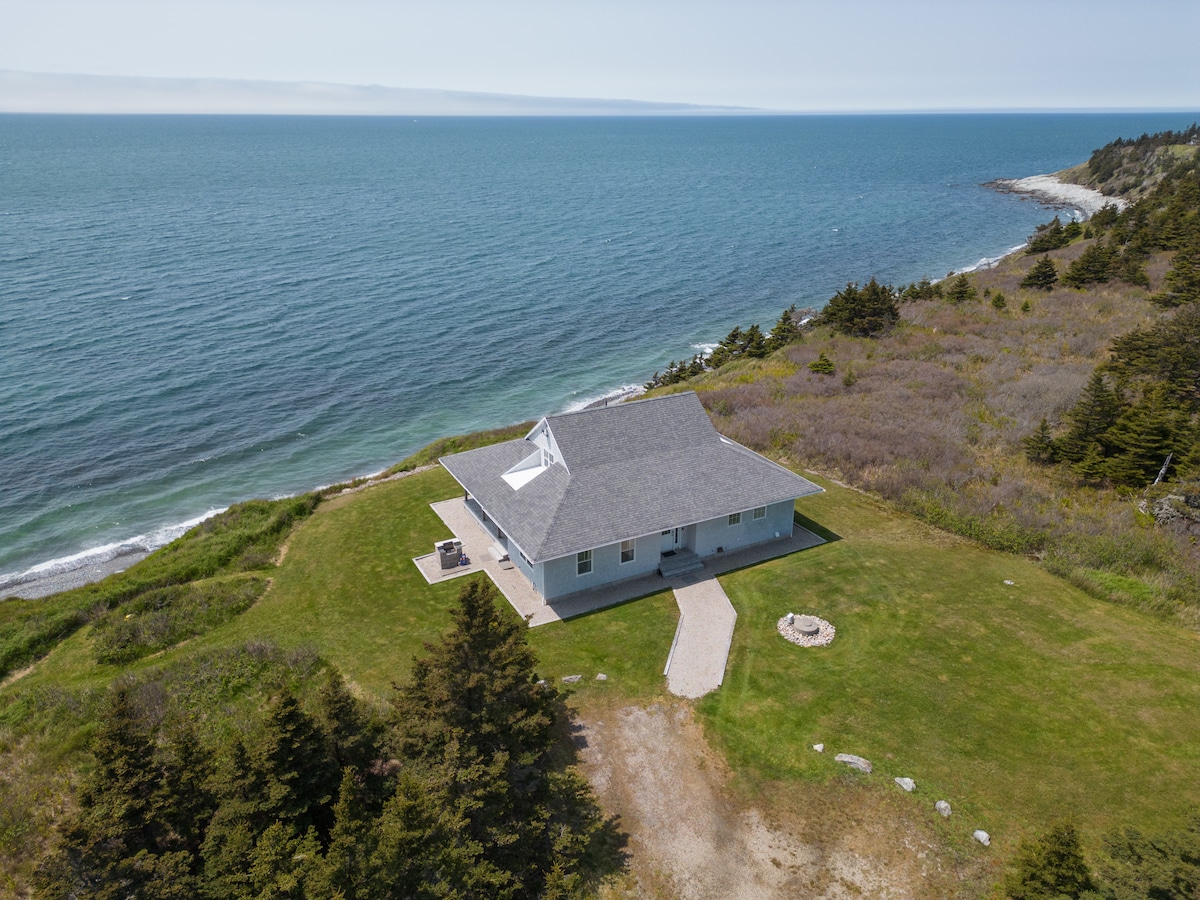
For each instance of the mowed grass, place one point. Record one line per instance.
(347, 588)
(1019, 703)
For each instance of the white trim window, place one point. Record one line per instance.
(760, 512)
(735, 518)
(628, 550)
(583, 562)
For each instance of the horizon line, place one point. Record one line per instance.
(48, 93)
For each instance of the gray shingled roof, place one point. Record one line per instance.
(631, 469)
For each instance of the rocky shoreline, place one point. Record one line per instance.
(1053, 191)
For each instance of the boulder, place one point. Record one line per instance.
(820, 748)
(571, 679)
(983, 837)
(602, 677)
(854, 762)
(943, 807)
(907, 783)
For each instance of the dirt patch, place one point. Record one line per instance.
(692, 839)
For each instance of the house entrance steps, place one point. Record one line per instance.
(696, 665)
(681, 562)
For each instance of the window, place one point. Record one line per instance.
(583, 562)
(735, 518)
(627, 550)
(760, 512)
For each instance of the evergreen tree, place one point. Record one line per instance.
(822, 365)
(282, 862)
(353, 738)
(1167, 353)
(474, 719)
(1163, 866)
(1040, 446)
(1141, 439)
(1026, 306)
(961, 290)
(786, 330)
(1094, 413)
(1050, 236)
(184, 800)
(112, 847)
(423, 850)
(755, 345)
(297, 772)
(998, 301)
(1096, 264)
(921, 290)
(869, 311)
(1049, 868)
(1043, 276)
(234, 828)
(1183, 281)
(344, 870)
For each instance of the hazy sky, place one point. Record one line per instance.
(798, 55)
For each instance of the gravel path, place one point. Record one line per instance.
(706, 620)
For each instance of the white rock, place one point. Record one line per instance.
(1006, 581)
(571, 679)
(943, 807)
(820, 748)
(907, 783)
(854, 762)
(983, 837)
(602, 677)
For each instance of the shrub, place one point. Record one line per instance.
(164, 617)
(822, 365)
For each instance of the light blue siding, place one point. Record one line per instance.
(560, 576)
(718, 535)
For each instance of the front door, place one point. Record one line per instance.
(671, 539)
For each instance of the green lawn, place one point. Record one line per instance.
(1019, 703)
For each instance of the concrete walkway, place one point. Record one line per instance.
(696, 665)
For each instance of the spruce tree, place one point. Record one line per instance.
(297, 771)
(1040, 446)
(1183, 281)
(822, 365)
(786, 330)
(1094, 413)
(1163, 865)
(475, 721)
(1042, 276)
(109, 847)
(961, 290)
(1142, 437)
(869, 311)
(344, 870)
(1097, 264)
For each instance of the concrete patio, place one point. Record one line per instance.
(519, 592)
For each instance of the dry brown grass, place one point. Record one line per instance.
(932, 417)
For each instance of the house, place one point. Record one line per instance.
(607, 494)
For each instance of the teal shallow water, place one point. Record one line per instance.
(198, 310)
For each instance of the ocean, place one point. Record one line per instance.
(200, 310)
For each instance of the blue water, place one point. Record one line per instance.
(199, 310)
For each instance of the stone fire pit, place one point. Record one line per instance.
(806, 631)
